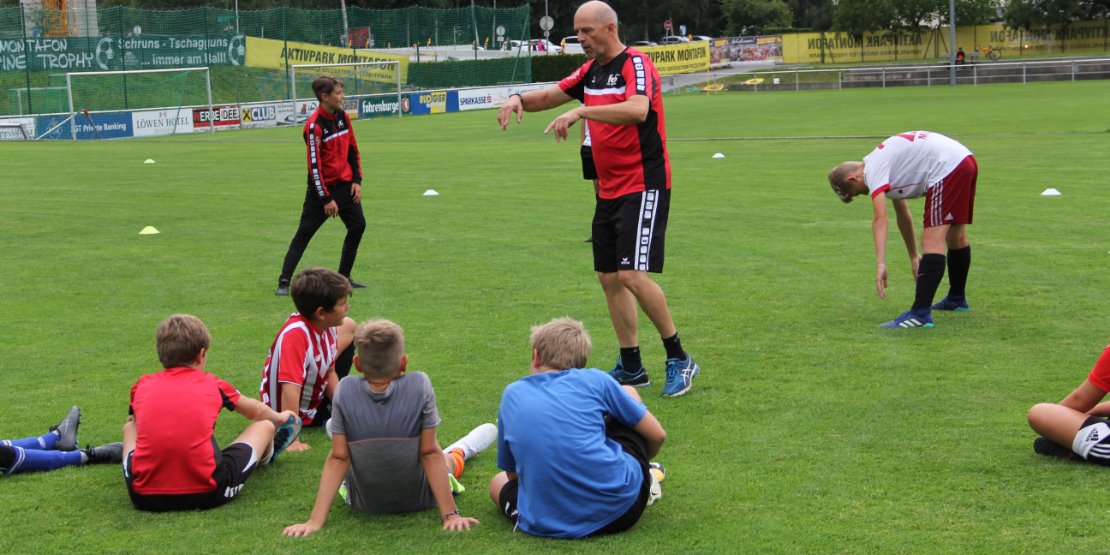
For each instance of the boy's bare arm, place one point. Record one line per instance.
(435, 469)
(256, 410)
(335, 469)
(652, 432)
(291, 397)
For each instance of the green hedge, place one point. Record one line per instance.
(554, 68)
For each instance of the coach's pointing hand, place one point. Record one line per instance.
(514, 104)
(562, 123)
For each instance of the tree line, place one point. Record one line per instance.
(644, 20)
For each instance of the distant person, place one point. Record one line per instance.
(312, 351)
(334, 181)
(172, 460)
(1076, 427)
(911, 165)
(960, 56)
(384, 453)
(55, 449)
(623, 107)
(573, 444)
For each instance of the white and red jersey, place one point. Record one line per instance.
(301, 355)
(1100, 374)
(909, 164)
(629, 158)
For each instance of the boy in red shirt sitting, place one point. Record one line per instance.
(1077, 427)
(172, 460)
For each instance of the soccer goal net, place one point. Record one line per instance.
(369, 82)
(176, 92)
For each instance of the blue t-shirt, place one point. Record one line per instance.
(551, 431)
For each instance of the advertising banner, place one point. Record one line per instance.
(258, 115)
(277, 54)
(13, 133)
(679, 58)
(434, 102)
(153, 123)
(115, 53)
(223, 117)
(493, 97)
(107, 126)
(383, 106)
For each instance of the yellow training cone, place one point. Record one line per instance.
(148, 230)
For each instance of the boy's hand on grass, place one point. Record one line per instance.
(301, 530)
(457, 523)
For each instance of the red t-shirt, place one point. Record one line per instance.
(175, 415)
(629, 158)
(300, 355)
(1100, 374)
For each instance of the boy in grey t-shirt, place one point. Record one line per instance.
(384, 443)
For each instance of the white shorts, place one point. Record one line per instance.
(1093, 441)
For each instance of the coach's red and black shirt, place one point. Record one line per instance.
(333, 156)
(629, 158)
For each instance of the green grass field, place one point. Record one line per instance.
(809, 429)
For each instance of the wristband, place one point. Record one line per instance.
(450, 514)
(521, 97)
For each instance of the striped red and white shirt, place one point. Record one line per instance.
(300, 355)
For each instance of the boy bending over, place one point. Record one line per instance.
(312, 350)
(574, 444)
(172, 459)
(384, 446)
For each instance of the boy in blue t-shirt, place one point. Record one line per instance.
(559, 420)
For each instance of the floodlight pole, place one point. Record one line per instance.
(346, 32)
(236, 21)
(952, 42)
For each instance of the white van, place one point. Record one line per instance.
(571, 45)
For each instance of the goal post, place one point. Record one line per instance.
(360, 79)
(139, 89)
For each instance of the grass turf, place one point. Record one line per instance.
(808, 430)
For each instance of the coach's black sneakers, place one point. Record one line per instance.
(67, 430)
(104, 454)
(282, 288)
(1047, 447)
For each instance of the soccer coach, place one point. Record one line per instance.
(623, 107)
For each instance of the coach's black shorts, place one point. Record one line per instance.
(233, 466)
(633, 444)
(589, 170)
(629, 231)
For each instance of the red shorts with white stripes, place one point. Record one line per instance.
(952, 201)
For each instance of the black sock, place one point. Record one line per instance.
(630, 359)
(673, 345)
(929, 274)
(344, 360)
(959, 262)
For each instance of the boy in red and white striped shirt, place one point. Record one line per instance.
(312, 351)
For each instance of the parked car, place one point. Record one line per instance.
(645, 43)
(674, 39)
(571, 45)
(537, 46)
(700, 37)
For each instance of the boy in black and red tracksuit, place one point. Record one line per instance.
(334, 181)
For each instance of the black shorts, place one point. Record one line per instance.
(1092, 441)
(629, 231)
(589, 170)
(633, 444)
(233, 466)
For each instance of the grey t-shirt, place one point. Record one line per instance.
(383, 434)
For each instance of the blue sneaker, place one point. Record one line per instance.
(911, 319)
(955, 306)
(634, 379)
(284, 436)
(680, 376)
